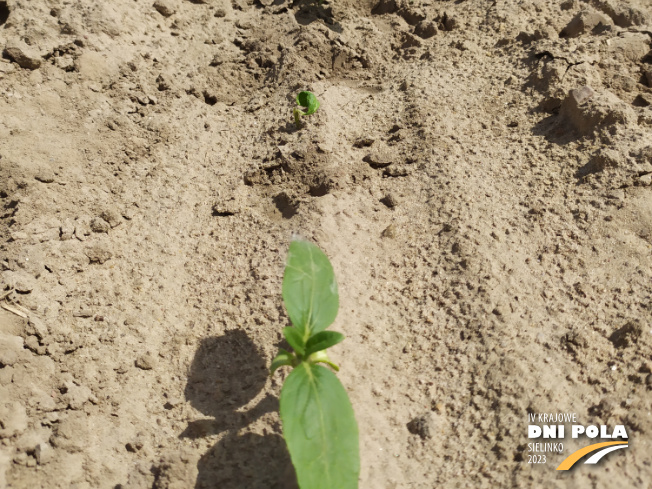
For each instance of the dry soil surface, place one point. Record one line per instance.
(479, 173)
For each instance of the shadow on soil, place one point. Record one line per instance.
(226, 373)
(555, 131)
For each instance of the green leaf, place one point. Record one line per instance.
(294, 338)
(309, 289)
(308, 100)
(284, 357)
(322, 340)
(320, 429)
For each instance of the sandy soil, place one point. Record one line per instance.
(479, 174)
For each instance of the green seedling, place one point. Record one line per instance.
(307, 100)
(319, 424)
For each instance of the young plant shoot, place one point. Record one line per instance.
(319, 425)
(307, 100)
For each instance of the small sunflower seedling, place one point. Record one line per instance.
(307, 100)
(319, 424)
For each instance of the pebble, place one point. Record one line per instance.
(67, 230)
(43, 453)
(146, 362)
(389, 232)
(645, 180)
(397, 171)
(23, 55)
(616, 194)
(605, 158)
(172, 402)
(99, 225)
(83, 313)
(587, 111)
(422, 425)
(10, 348)
(37, 327)
(583, 22)
(379, 158)
(425, 29)
(112, 216)
(76, 395)
(390, 201)
(134, 446)
(98, 254)
(164, 7)
(31, 343)
(21, 281)
(45, 174)
(13, 419)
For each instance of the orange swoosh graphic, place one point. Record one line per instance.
(575, 456)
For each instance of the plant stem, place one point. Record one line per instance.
(297, 117)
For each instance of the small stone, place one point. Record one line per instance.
(379, 158)
(23, 55)
(82, 228)
(37, 327)
(99, 225)
(142, 98)
(629, 16)
(449, 22)
(631, 46)
(43, 453)
(67, 230)
(98, 254)
(145, 362)
(588, 111)
(225, 209)
(385, 7)
(616, 194)
(422, 426)
(22, 282)
(172, 402)
(584, 22)
(645, 180)
(21, 458)
(31, 343)
(575, 341)
(605, 158)
(501, 310)
(45, 175)
(425, 29)
(76, 395)
(363, 142)
(389, 232)
(219, 59)
(397, 171)
(390, 201)
(128, 214)
(164, 7)
(244, 24)
(134, 446)
(10, 348)
(112, 216)
(13, 419)
(83, 313)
